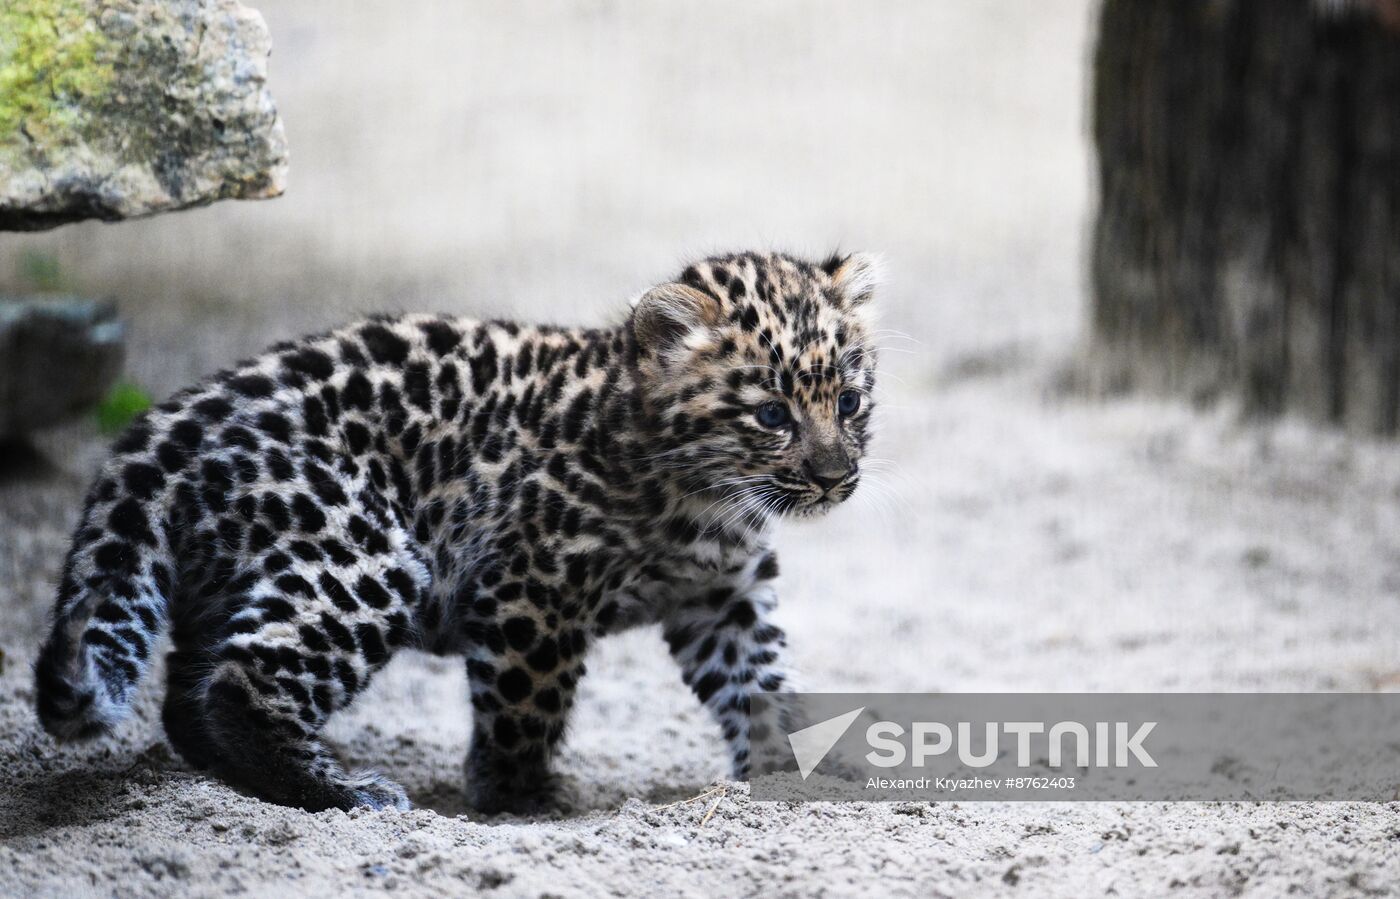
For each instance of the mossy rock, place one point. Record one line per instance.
(115, 109)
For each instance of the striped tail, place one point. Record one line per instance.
(109, 615)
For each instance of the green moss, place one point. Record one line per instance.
(40, 271)
(120, 408)
(53, 60)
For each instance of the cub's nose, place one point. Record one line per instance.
(827, 477)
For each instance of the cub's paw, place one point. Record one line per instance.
(372, 790)
(546, 797)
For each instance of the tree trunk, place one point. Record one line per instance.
(1248, 237)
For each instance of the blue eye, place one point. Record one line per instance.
(773, 414)
(848, 402)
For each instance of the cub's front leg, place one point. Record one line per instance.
(524, 666)
(728, 649)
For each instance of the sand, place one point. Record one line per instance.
(497, 158)
(1031, 544)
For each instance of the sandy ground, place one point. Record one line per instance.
(1030, 544)
(501, 158)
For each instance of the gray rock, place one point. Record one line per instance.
(58, 358)
(114, 109)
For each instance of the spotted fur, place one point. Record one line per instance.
(508, 493)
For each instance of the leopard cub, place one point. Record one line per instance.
(504, 492)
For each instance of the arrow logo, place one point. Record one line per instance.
(811, 744)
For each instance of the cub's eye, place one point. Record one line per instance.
(848, 402)
(773, 414)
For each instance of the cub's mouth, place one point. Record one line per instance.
(769, 497)
(818, 501)
(821, 505)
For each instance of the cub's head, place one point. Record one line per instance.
(758, 369)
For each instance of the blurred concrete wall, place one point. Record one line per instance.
(548, 160)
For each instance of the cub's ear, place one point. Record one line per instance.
(663, 316)
(856, 276)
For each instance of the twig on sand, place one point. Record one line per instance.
(710, 792)
(723, 791)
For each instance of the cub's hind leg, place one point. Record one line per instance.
(183, 711)
(322, 616)
(198, 614)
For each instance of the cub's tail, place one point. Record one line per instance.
(110, 612)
